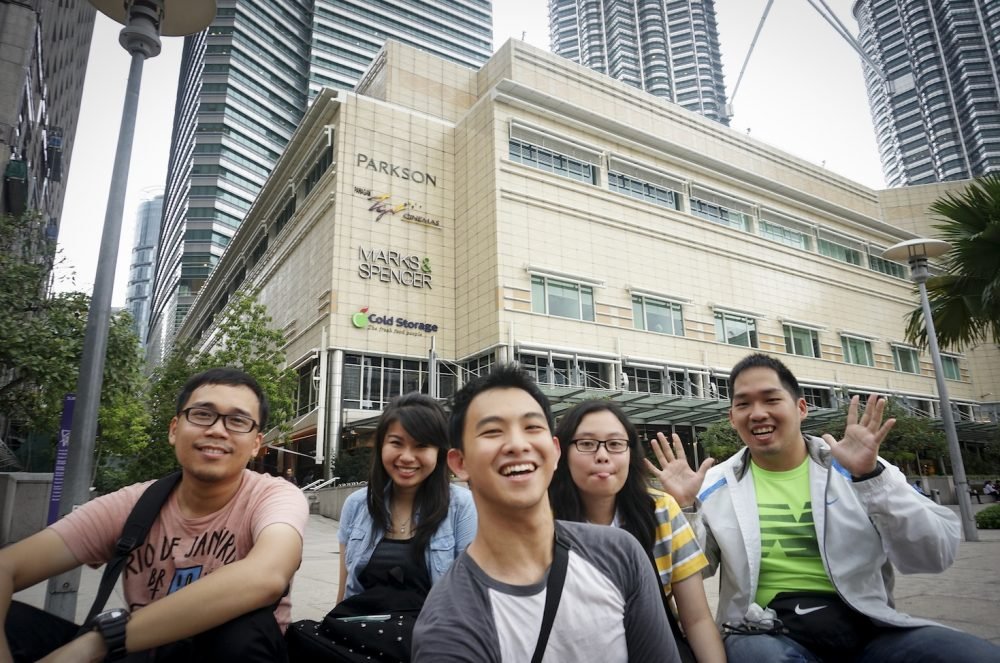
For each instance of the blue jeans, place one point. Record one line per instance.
(926, 644)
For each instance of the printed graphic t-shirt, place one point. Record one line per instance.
(179, 550)
(790, 559)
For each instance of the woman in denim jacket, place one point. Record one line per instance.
(401, 533)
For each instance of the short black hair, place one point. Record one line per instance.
(232, 377)
(504, 376)
(761, 360)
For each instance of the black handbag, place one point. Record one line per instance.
(375, 625)
(822, 622)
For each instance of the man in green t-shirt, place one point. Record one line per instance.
(807, 531)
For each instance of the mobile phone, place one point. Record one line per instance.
(365, 618)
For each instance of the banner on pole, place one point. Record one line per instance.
(62, 451)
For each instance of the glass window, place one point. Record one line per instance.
(905, 360)
(801, 341)
(889, 267)
(735, 329)
(786, 236)
(816, 397)
(644, 380)
(857, 351)
(657, 315)
(562, 298)
(719, 214)
(307, 395)
(951, 368)
(636, 188)
(839, 252)
(552, 162)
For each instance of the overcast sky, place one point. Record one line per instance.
(802, 92)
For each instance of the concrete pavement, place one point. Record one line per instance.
(966, 596)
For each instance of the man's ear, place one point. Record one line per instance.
(172, 431)
(803, 408)
(456, 463)
(555, 441)
(731, 424)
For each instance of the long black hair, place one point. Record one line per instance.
(423, 418)
(635, 506)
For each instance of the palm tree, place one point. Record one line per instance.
(965, 299)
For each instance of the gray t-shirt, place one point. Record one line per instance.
(610, 610)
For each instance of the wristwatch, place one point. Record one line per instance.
(111, 625)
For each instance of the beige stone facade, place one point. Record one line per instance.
(612, 242)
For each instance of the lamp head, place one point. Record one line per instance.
(916, 249)
(177, 17)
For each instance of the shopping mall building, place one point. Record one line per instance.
(440, 220)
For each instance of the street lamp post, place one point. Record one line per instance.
(144, 21)
(916, 252)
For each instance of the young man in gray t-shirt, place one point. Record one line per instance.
(489, 605)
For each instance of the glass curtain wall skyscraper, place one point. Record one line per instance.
(669, 48)
(140, 274)
(244, 85)
(936, 100)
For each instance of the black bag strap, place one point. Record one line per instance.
(134, 533)
(553, 592)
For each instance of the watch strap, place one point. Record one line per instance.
(112, 626)
(879, 468)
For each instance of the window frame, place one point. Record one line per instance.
(898, 364)
(846, 339)
(790, 340)
(543, 281)
(674, 308)
(722, 316)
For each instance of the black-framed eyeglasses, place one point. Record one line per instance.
(234, 423)
(614, 445)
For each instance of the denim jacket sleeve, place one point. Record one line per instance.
(453, 534)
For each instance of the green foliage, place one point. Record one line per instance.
(248, 343)
(352, 465)
(910, 437)
(989, 518)
(720, 440)
(965, 299)
(41, 343)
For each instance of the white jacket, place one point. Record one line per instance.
(863, 529)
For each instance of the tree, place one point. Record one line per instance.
(41, 341)
(965, 300)
(247, 342)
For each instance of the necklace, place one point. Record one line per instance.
(401, 530)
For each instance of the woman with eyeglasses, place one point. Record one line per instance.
(601, 479)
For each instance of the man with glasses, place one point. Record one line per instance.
(492, 604)
(211, 580)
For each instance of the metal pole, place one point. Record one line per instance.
(957, 465)
(62, 589)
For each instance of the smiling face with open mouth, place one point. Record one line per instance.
(214, 453)
(508, 453)
(768, 419)
(407, 461)
(598, 474)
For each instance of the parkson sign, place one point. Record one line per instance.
(395, 170)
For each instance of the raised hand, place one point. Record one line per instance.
(858, 451)
(675, 475)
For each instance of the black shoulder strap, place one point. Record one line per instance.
(553, 592)
(134, 533)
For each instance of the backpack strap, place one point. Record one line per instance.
(134, 534)
(553, 592)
